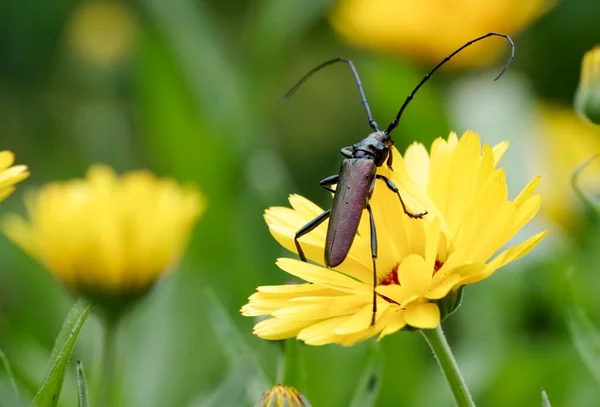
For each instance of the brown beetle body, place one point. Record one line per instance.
(357, 179)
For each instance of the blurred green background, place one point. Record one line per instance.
(189, 90)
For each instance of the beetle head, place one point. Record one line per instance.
(376, 145)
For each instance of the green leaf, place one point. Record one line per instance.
(82, 388)
(585, 336)
(236, 349)
(450, 303)
(49, 393)
(545, 400)
(585, 198)
(369, 383)
(9, 374)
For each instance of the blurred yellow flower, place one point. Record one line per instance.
(428, 30)
(101, 32)
(108, 237)
(422, 264)
(282, 396)
(565, 141)
(587, 98)
(10, 174)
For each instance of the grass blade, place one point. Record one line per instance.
(230, 391)
(9, 374)
(584, 197)
(237, 350)
(369, 383)
(82, 388)
(49, 393)
(585, 337)
(584, 334)
(545, 399)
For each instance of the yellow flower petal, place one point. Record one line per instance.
(432, 243)
(276, 329)
(499, 150)
(7, 158)
(441, 288)
(422, 316)
(463, 174)
(6, 191)
(526, 193)
(361, 319)
(414, 275)
(13, 175)
(507, 256)
(322, 330)
(346, 305)
(295, 289)
(304, 207)
(394, 292)
(417, 164)
(10, 174)
(323, 276)
(394, 321)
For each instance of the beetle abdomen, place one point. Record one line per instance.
(350, 199)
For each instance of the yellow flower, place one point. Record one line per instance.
(566, 141)
(587, 98)
(108, 237)
(10, 174)
(428, 30)
(282, 396)
(422, 264)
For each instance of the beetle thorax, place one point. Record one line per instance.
(375, 146)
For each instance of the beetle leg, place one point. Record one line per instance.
(374, 258)
(308, 228)
(326, 182)
(394, 188)
(389, 160)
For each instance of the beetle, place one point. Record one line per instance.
(358, 174)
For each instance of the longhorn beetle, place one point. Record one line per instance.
(358, 173)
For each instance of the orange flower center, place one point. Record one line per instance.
(438, 265)
(390, 278)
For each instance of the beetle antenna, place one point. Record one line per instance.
(410, 97)
(294, 88)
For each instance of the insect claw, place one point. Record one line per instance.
(416, 215)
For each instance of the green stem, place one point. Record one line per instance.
(292, 369)
(437, 341)
(105, 395)
(281, 365)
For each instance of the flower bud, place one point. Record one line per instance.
(587, 97)
(282, 396)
